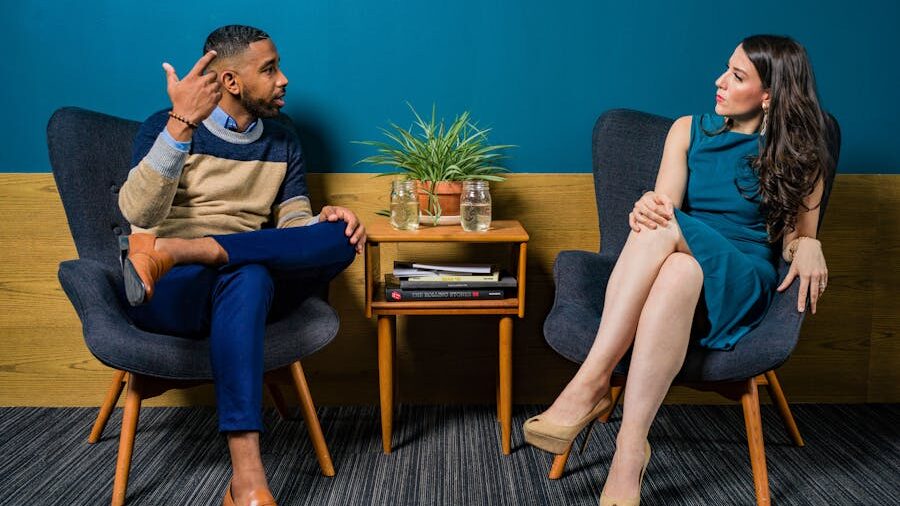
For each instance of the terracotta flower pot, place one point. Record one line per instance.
(448, 194)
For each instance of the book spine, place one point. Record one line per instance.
(451, 285)
(399, 294)
(450, 277)
(469, 268)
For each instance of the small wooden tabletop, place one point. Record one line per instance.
(380, 230)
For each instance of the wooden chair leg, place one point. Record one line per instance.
(278, 400)
(126, 439)
(615, 394)
(559, 465)
(777, 395)
(312, 420)
(559, 462)
(753, 420)
(109, 403)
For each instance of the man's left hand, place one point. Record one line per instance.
(355, 229)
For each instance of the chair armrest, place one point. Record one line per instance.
(777, 334)
(571, 324)
(94, 290)
(766, 347)
(581, 278)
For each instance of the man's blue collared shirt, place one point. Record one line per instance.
(220, 117)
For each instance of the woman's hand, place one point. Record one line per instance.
(809, 265)
(650, 211)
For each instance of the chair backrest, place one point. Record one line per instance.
(627, 149)
(90, 154)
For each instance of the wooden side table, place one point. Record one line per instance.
(502, 231)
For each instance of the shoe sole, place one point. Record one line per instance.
(135, 291)
(547, 443)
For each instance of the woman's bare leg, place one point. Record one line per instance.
(660, 345)
(626, 293)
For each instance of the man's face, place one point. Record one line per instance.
(262, 84)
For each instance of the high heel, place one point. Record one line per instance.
(555, 438)
(605, 500)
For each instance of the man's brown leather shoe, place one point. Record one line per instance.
(142, 267)
(258, 497)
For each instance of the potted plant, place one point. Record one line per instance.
(438, 157)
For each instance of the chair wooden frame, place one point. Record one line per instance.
(141, 387)
(747, 392)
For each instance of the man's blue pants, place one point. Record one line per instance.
(268, 272)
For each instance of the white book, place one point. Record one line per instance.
(449, 276)
(409, 272)
(464, 268)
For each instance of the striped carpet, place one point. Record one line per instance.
(450, 456)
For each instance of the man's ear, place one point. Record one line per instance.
(230, 82)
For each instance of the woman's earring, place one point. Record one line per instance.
(765, 120)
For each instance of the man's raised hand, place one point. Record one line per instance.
(195, 95)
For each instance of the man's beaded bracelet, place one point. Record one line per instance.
(183, 120)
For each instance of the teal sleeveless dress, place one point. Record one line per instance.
(721, 221)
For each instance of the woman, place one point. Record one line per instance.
(729, 189)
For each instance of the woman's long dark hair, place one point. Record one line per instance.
(793, 156)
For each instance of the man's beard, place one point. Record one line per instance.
(259, 108)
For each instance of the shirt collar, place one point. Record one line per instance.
(225, 121)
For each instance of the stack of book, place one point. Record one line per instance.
(414, 281)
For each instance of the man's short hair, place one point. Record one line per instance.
(232, 40)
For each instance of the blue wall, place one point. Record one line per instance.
(537, 72)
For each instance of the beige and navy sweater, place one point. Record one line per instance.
(229, 181)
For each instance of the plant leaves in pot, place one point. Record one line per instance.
(438, 157)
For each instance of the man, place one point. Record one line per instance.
(222, 228)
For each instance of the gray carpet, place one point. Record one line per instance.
(450, 456)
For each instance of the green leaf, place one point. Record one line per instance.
(433, 150)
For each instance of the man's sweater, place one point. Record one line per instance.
(229, 181)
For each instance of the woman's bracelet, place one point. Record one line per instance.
(184, 120)
(792, 246)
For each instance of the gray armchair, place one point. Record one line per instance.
(627, 148)
(91, 156)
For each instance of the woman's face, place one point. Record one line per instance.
(739, 90)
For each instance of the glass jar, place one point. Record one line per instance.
(475, 206)
(404, 205)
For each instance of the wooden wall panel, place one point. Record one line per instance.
(884, 269)
(848, 352)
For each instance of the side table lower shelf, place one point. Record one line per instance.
(380, 306)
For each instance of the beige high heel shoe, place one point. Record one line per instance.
(605, 500)
(558, 438)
